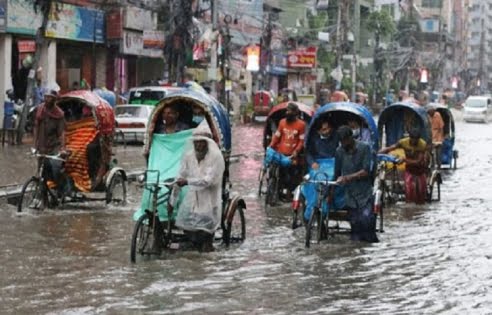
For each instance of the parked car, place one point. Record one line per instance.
(131, 122)
(150, 95)
(477, 108)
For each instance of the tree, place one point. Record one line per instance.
(381, 23)
(43, 7)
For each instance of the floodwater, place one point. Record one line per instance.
(432, 259)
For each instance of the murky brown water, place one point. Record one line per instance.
(432, 259)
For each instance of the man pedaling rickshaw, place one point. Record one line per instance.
(288, 140)
(202, 168)
(49, 138)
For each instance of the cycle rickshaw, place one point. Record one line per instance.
(154, 225)
(309, 206)
(89, 167)
(394, 123)
(448, 154)
(269, 174)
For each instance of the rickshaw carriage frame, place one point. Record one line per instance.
(271, 175)
(79, 107)
(232, 207)
(394, 122)
(338, 113)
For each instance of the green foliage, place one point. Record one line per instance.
(381, 21)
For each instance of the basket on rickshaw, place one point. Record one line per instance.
(394, 123)
(89, 167)
(325, 218)
(267, 177)
(153, 221)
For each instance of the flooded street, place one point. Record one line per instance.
(432, 259)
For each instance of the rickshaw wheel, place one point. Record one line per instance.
(235, 227)
(312, 226)
(455, 158)
(116, 191)
(144, 241)
(298, 214)
(435, 182)
(28, 193)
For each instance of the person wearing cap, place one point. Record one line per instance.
(49, 126)
(49, 135)
(202, 169)
(288, 140)
(353, 160)
(437, 127)
(416, 163)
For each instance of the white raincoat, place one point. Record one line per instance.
(201, 207)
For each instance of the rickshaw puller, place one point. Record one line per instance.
(202, 169)
(352, 169)
(49, 135)
(415, 165)
(289, 141)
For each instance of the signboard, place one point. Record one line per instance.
(153, 44)
(114, 24)
(153, 39)
(21, 18)
(132, 43)
(76, 23)
(302, 58)
(278, 64)
(26, 46)
(137, 19)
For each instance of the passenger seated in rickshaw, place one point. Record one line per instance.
(202, 169)
(198, 115)
(416, 165)
(323, 144)
(170, 122)
(352, 170)
(359, 132)
(289, 141)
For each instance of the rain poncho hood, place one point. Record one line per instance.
(202, 205)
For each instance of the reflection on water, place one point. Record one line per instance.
(432, 259)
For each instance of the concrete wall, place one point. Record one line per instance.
(5, 70)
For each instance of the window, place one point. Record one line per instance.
(431, 3)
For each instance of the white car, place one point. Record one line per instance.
(477, 108)
(131, 122)
(150, 95)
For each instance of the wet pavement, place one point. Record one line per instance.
(432, 259)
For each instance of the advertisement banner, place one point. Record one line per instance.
(132, 43)
(76, 23)
(21, 18)
(302, 58)
(25, 46)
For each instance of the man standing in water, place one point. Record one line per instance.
(352, 170)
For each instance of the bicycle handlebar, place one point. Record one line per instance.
(51, 157)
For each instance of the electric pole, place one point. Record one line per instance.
(212, 70)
